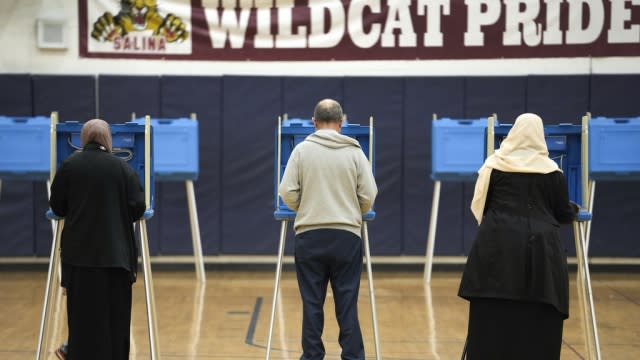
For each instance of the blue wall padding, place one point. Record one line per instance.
(504, 96)
(383, 101)
(73, 97)
(301, 94)
(614, 230)
(181, 96)
(121, 95)
(237, 119)
(612, 95)
(251, 106)
(16, 197)
(423, 97)
(558, 99)
(17, 230)
(15, 95)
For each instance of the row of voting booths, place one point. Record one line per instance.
(157, 149)
(597, 149)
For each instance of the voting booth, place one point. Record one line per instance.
(568, 146)
(614, 153)
(455, 157)
(288, 134)
(24, 145)
(133, 143)
(175, 158)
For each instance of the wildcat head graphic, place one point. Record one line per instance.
(139, 16)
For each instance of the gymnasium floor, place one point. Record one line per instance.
(228, 318)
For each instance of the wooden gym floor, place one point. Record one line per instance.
(228, 318)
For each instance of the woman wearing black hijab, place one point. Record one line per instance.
(100, 197)
(516, 276)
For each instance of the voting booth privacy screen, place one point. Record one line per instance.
(614, 148)
(127, 144)
(24, 147)
(457, 148)
(293, 132)
(563, 143)
(175, 148)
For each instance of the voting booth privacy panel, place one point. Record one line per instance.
(290, 133)
(564, 146)
(127, 144)
(236, 116)
(175, 148)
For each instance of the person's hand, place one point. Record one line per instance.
(574, 206)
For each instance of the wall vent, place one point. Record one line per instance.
(51, 33)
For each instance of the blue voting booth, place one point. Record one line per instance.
(614, 148)
(294, 131)
(24, 145)
(128, 142)
(614, 154)
(564, 145)
(568, 145)
(175, 148)
(454, 148)
(455, 156)
(175, 158)
(288, 134)
(133, 143)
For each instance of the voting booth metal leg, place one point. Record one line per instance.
(50, 291)
(195, 232)
(372, 296)
(433, 224)
(592, 191)
(148, 291)
(585, 294)
(276, 287)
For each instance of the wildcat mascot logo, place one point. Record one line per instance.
(139, 27)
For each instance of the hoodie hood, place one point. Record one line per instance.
(332, 139)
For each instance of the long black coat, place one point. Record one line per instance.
(100, 197)
(517, 253)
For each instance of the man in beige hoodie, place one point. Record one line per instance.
(328, 181)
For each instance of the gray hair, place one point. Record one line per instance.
(328, 110)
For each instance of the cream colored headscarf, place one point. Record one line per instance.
(524, 150)
(98, 131)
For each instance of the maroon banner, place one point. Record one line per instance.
(358, 30)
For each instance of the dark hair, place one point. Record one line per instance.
(328, 110)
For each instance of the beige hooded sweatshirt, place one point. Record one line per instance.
(329, 183)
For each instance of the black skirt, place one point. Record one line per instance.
(507, 329)
(98, 312)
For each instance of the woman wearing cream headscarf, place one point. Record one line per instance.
(516, 274)
(100, 197)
